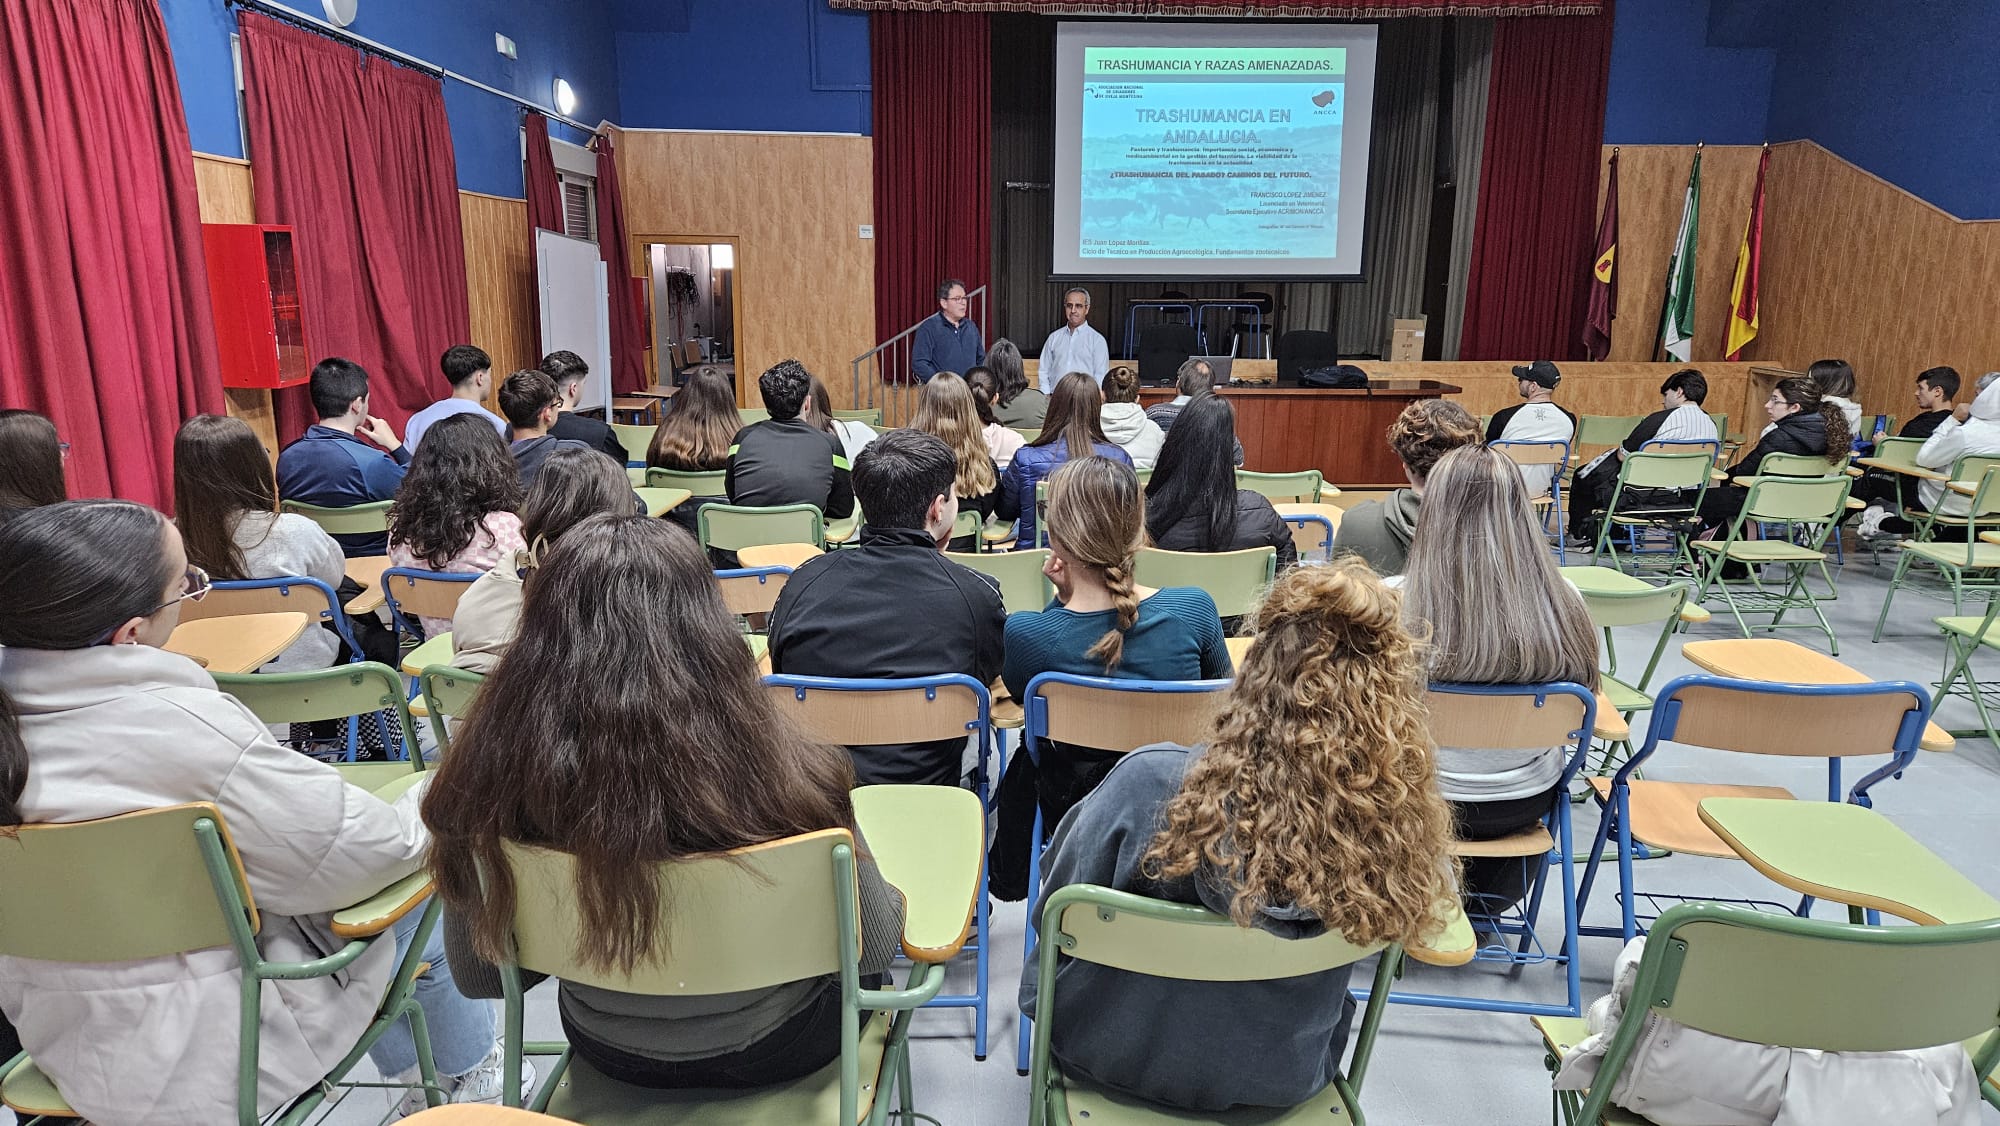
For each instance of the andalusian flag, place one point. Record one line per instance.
(1604, 275)
(1677, 323)
(1749, 256)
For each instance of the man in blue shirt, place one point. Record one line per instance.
(469, 370)
(333, 468)
(1075, 346)
(948, 341)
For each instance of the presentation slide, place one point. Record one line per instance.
(1212, 150)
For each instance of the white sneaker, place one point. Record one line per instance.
(480, 1085)
(1870, 524)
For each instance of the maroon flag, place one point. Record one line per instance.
(1604, 275)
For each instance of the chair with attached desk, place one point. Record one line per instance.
(732, 527)
(1970, 566)
(1830, 721)
(1658, 492)
(363, 688)
(1814, 504)
(1614, 599)
(752, 590)
(1313, 528)
(1236, 580)
(447, 694)
(1023, 586)
(858, 713)
(1553, 456)
(414, 592)
(358, 519)
(637, 440)
(1796, 983)
(230, 598)
(168, 881)
(706, 483)
(772, 914)
(1302, 487)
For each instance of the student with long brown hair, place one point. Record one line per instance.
(854, 434)
(945, 408)
(1003, 442)
(695, 437)
(1312, 808)
(1102, 624)
(652, 764)
(1073, 429)
(31, 462)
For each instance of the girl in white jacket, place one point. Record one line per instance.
(1125, 421)
(97, 720)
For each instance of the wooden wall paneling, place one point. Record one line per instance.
(792, 203)
(499, 284)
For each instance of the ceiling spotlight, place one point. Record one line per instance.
(565, 97)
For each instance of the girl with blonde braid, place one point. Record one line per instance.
(1313, 807)
(1102, 623)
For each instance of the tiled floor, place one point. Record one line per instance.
(1436, 1067)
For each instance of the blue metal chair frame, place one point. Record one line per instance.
(1554, 514)
(1301, 519)
(1557, 821)
(1615, 816)
(1035, 710)
(333, 613)
(983, 729)
(403, 623)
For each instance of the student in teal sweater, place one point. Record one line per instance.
(1102, 623)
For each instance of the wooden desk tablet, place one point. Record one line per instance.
(661, 500)
(1905, 470)
(239, 643)
(367, 573)
(777, 554)
(1787, 662)
(929, 841)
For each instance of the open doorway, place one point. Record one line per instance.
(694, 305)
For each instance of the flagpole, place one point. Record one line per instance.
(1667, 283)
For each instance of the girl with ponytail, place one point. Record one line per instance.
(1803, 421)
(1102, 624)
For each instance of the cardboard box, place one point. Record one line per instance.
(1406, 340)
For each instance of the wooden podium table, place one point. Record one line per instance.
(1343, 434)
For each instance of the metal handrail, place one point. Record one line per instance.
(892, 358)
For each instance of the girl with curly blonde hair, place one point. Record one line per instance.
(1313, 808)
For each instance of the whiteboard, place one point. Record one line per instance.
(576, 310)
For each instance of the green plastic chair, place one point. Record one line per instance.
(167, 881)
(1899, 451)
(1236, 580)
(705, 484)
(1028, 433)
(1187, 943)
(731, 527)
(1301, 487)
(1816, 504)
(637, 440)
(1796, 465)
(753, 414)
(447, 694)
(1605, 429)
(1958, 564)
(1023, 587)
(1774, 979)
(869, 415)
(1687, 472)
(355, 519)
(1614, 599)
(775, 913)
(360, 689)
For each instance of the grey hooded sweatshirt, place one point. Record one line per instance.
(1205, 1045)
(1379, 531)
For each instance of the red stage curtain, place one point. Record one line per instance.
(628, 328)
(1317, 9)
(545, 208)
(354, 152)
(933, 161)
(104, 316)
(1531, 247)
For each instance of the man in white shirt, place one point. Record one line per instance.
(1537, 420)
(1075, 346)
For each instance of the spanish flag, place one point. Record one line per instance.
(1604, 275)
(1743, 292)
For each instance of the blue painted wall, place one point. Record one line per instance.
(781, 65)
(1675, 83)
(573, 39)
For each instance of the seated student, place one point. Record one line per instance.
(854, 434)
(1018, 404)
(851, 613)
(695, 437)
(1194, 379)
(1073, 429)
(1125, 421)
(1327, 714)
(1379, 531)
(533, 405)
(1973, 430)
(652, 764)
(469, 370)
(456, 509)
(1679, 419)
(784, 459)
(1537, 420)
(1003, 442)
(567, 370)
(1499, 612)
(98, 721)
(946, 408)
(1802, 422)
(1836, 385)
(1192, 502)
(330, 466)
(572, 486)
(1102, 623)
(31, 462)
(1937, 388)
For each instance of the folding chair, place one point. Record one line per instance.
(340, 692)
(1953, 560)
(771, 914)
(729, 527)
(1312, 531)
(413, 592)
(1520, 717)
(447, 695)
(268, 596)
(1188, 943)
(168, 881)
(1553, 456)
(1113, 715)
(637, 440)
(704, 484)
(1685, 472)
(1236, 580)
(1797, 983)
(752, 590)
(1816, 503)
(1614, 599)
(1830, 721)
(1301, 487)
(857, 713)
(354, 519)
(1023, 587)
(1965, 636)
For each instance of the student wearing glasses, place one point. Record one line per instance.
(949, 341)
(1075, 346)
